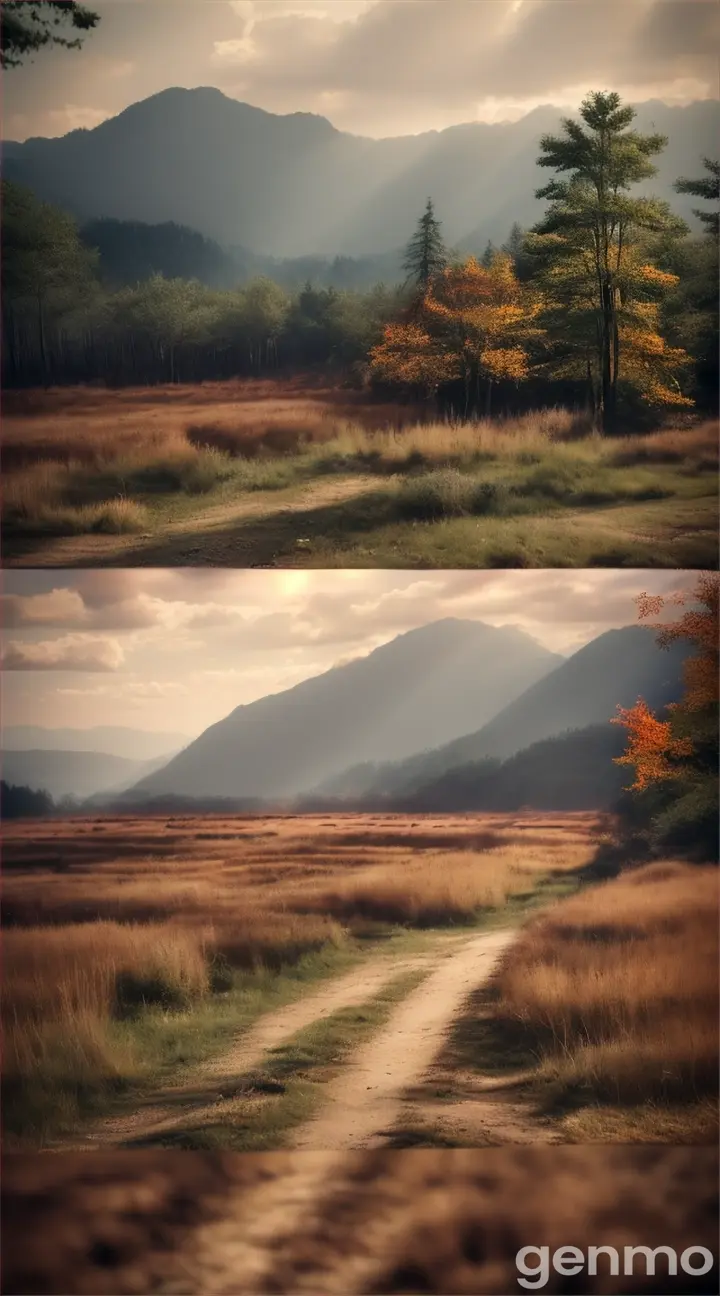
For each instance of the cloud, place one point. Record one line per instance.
(60, 607)
(386, 61)
(133, 690)
(255, 633)
(73, 652)
(377, 67)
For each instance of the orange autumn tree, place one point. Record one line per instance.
(473, 325)
(681, 752)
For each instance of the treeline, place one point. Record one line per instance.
(608, 301)
(63, 322)
(131, 251)
(24, 802)
(20, 802)
(572, 771)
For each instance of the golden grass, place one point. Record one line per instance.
(436, 888)
(452, 441)
(80, 460)
(105, 916)
(616, 989)
(64, 985)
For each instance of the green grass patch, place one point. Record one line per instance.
(268, 1104)
(155, 1041)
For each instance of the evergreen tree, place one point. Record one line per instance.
(488, 255)
(594, 243)
(29, 25)
(514, 246)
(707, 187)
(24, 802)
(425, 255)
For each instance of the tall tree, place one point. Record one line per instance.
(27, 26)
(426, 254)
(593, 245)
(46, 270)
(707, 187)
(695, 304)
(675, 759)
(515, 247)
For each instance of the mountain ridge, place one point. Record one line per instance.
(624, 662)
(405, 696)
(293, 185)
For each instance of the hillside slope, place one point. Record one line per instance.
(424, 687)
(614, 669)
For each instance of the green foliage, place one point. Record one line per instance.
(132, 251)
(44, 259)
(628, 306)
(592, 249)
(707, 187)
(27, 26)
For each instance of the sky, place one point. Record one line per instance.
(373, 67)
(179, 649)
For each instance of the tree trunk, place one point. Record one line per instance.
(592, 401)
(41, 342)
(607, 411)
(488, 398)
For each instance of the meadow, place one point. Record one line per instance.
(136, 949)
(602, 1019)
(216, 983)
(296, 473)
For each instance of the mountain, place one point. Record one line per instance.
(290, 186)
(423, 688)
(114, 740)
(75, 773)
(573, 771)
(614, 669)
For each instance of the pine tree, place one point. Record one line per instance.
(486, 259)
(707, 187)
(30, 25)
(425, 255)
(514, 246)
(593, 245)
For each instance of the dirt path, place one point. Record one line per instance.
(203, 537)
(366, 1100)
(204, 1094)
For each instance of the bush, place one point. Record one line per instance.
(447, 492)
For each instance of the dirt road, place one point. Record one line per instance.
(202, 1095)
(250, 530)
(363, 1104)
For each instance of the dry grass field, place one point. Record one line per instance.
(225, 982)
(372, 1224)
(602, 1018)
(258, 473)
(134, 948)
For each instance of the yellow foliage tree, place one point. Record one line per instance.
(473, 324)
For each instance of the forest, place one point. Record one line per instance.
(608, 302)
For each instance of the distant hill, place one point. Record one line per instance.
(74, 773)
(115, 740)
(132, 251)
(613, 669)
(573, 771)
(423, 688)
(292, 186)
